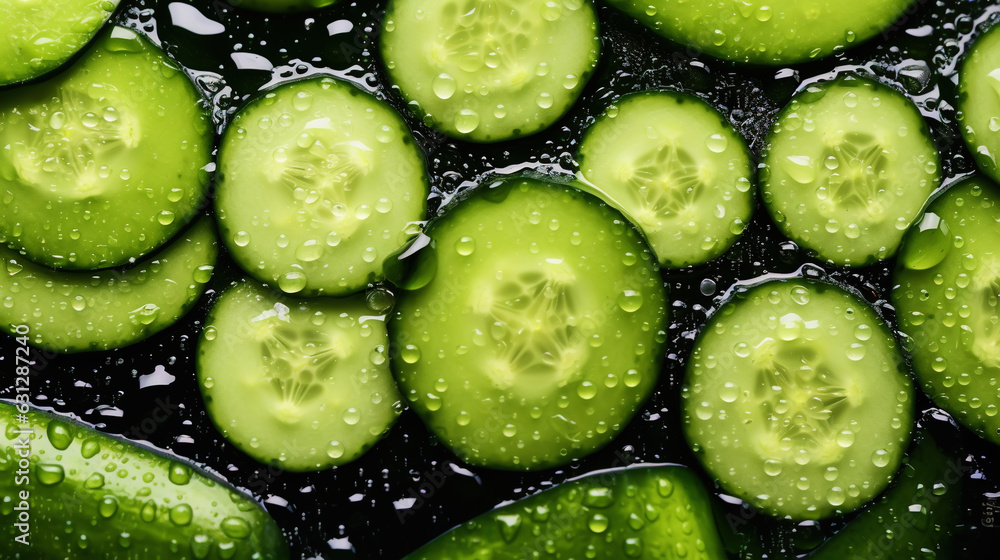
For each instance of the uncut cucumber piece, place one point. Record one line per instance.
(650, 513)
(93, 496)
(847, 169)
(534, 326)
(300, 383)
(673, 165)
(947, 288)
(486, 71)
(979, 101)
(767, 32)
(914, 520)
(39, 37)
(797, 401)
(82, 311)
(102, 163)
(319, 183)
(282, 6)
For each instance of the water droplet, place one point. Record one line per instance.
(630, 301)
(508, 525)
(927, 244)
(241, 239)
(90, 448)
(94, 481)
(410, 354)
(335, 450)
(444, 85)
(309, 251)
(179, 474)
(465, 246)
(235, 528)
(772, 467)
(148, 513)
(466, 121)
(880, 458)
(292, 282)
(600, 497)
(717, 143)
(107, 506)
(181, 515)
(49, 475)
(845, 438)
(598, 523)
(60, 434)
(352, 416)
(729, 392)
(800, 168)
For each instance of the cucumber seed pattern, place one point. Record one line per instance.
(857, 164)
(484, 35)
(986, 315)
(668, 183)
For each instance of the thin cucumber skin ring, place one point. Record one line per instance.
(677, 243)
(106, 160)
(488, 103)
(259, 200)
(522, 358)
(844, 401)
(946, 296)
(979, 102)
(769, 32)
(856, 123)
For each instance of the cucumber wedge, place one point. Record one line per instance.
(303, 384)
(83, 311)
(847, 169)
(534, 328)
(673, 165)
(948, 298)
(979, 101)
(39, 37)
(487, 71)
(319, 183)
(88, 496)
(797, 401)
(766, 31)
(104, 162)
(648, 512)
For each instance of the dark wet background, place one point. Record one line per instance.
(409, 488)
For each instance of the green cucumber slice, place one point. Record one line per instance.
(319, 183)
(82, 311)
(39, 37)
(91, 496)
(796, 400)
(539, 334)
(947, 289)
(488, 71)
(979, 101)
(847, 169)
(766, 31)
(282, 6)
(300, 383)
(649, 512)
(673, 165)
(102, 163)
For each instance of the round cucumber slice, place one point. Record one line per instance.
(300, 383)
(39, 37)
(847, 169)
(796, 400)
(540, 333)
(487, 71)
(979, 101)
(673, 165)
(766, 31)
(948, 298)
(81, 311)
(282, 6)
(103, 163)
(319, 183)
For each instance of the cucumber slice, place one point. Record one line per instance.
(83, 311)
(282, 6)
(848, 167)
(947, 289)
(676, 168)
(39, 37)
(319, 183)
(303, 384)
(979, 102)
(649, 512)
(92, 496)
(103, 163)
(796, 400)
(540, 333)
(916, 518)
(487, 71)
(766, 31)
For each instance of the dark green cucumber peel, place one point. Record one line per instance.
(979, 101)
(660, 512)
(93, 496)
(100, 310)
(914, 520)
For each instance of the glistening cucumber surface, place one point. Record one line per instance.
(91, 496)
(796, 400)
(487, 71)
(319, 183)
(303, 384)
(979, 102)
(534, 328)
(948, 297)
(673, 165)
(82, 311)
(102, 163)
(847, 168)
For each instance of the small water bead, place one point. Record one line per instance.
(772, 467)
(107, 507)
(598, 523)
(49, 475)
(292, 282)
(335, 450)
(544, 100)
(90, 448)
(94, 481)
(586, 390)
(630, 301)
(148, 512)
(309, 251)
(729, 392)
(410, 354)
(369, 254)
(241, 238)
(845, 438)
(466, 121)
(880, 458)
(465, 246)
(60, 434)
(836, 496)
(352, 416)
(179, 474)
(717, 143)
